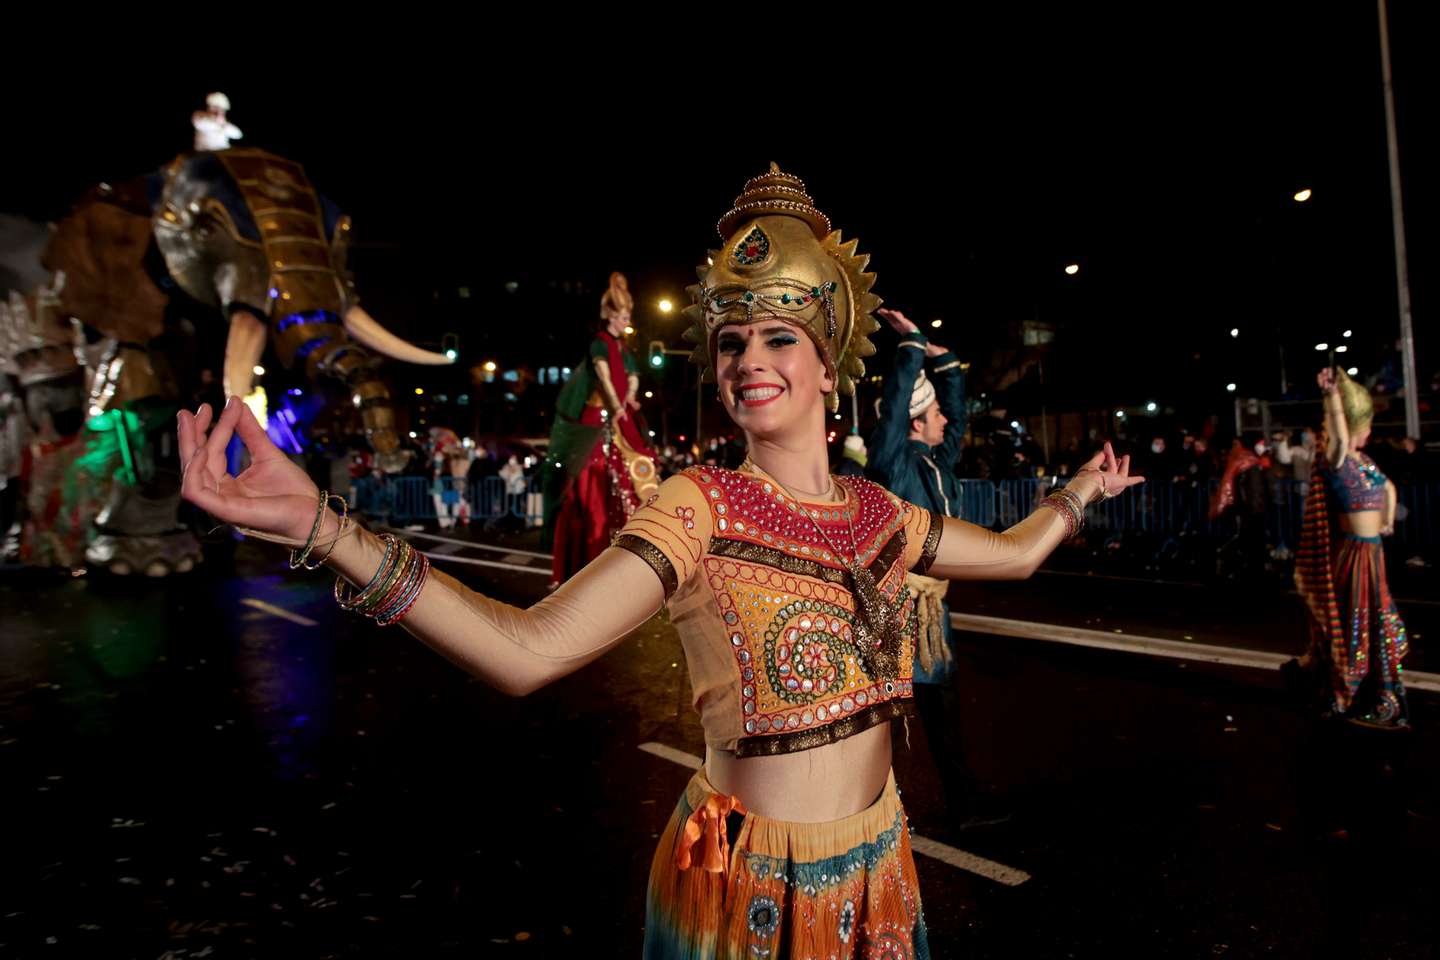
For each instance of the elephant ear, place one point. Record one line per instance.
(101, 248)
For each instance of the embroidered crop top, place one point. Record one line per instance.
(778, 645)
(1358, 484)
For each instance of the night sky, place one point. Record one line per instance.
(1160, 156)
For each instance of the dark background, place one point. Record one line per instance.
(974, 160)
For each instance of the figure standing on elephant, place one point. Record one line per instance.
(244, 234)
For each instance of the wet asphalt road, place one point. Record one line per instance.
(188, 775)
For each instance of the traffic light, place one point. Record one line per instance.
(657, 354)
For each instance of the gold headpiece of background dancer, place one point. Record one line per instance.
(1355, 400)
(781, 260)
(617, 298)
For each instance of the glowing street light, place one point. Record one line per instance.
(451, 353)
(629, 330)
(259, 370)
(936, 323)
(1151, 407)
(1322, 346)
(1342, 349)
(1303, 195)
(1229, 388)
(1347, 333)
(489, 366)
(1234, 331)
(1353, 371)
(419, 391)
(666, 306)
(1072, 269)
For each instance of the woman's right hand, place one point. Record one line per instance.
(900, 323)
(1326, 379)
(272, 496)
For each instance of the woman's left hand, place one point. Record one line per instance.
(1112, 473)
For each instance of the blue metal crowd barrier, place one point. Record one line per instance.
(1161, 509)
(412, 499)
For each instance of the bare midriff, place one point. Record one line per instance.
(1361, 523)
(809, 786)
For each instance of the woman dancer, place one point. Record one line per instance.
(785, 584)
(1357, 638)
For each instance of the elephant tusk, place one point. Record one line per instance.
(367, 331)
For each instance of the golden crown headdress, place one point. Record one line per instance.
(780, 259)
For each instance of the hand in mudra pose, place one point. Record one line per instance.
(272, 496)
(1114, 472)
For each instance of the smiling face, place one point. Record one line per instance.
(772, 380)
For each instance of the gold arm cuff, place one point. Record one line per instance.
(932, 543)
(653, 556)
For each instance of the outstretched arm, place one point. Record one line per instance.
(516, 650)
(969, 552)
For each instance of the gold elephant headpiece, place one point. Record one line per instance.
(781, 260)
(1355, 401)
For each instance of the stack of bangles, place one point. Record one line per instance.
(1071, 508)
(395, 587)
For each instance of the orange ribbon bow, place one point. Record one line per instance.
(707, 825)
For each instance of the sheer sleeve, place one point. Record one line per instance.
(519, 650)
(671, 532)
(922, 536)
(964, 551)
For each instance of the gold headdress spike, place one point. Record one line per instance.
(1355, 400)
(780, 259)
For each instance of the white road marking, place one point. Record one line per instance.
(1150, 646)
(1193, 583)
(412, 534)
(280, 612)
(688, 760)
(968, 862)
(945, 853)
(486, 563)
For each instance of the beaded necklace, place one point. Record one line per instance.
(877, 628)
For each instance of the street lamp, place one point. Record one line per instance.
(489, 366)
(1322, 346)
(1072, 269)
(419, 391)
(1234, 331)
(1229, 388)
(259, 370)
(936, 323)
(1303, 195)
(1151, 407)
(1353, 371)
(1347, 333)
(666, 306)
(1342, 349)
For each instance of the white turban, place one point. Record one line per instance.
(218, 101)
(922, 396)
